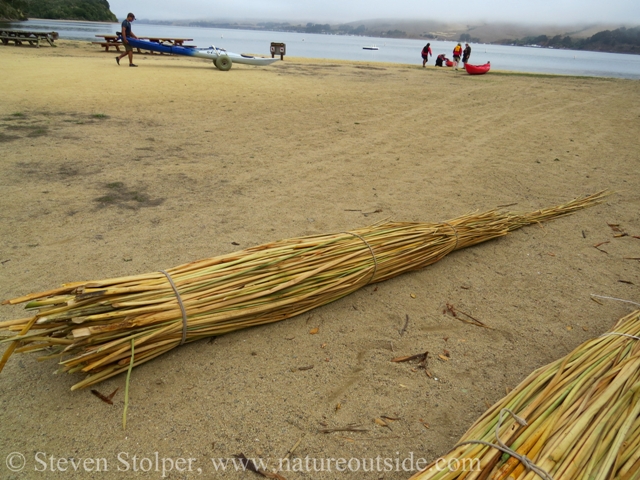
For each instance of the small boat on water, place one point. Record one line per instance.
(477, 69)
(370, 47)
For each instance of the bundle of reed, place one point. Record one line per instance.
(94, 326)
(577, 418)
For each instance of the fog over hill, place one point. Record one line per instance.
(486, 32)
(481, 32)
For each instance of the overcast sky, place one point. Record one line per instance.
(561, 12)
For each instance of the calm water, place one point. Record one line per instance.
(339, 47)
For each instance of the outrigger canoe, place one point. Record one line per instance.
(477, 69)
(221, 58)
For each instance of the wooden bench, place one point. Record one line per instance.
(20, 38)
(107, 45)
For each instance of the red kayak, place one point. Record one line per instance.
(477, 69)
(448, 63)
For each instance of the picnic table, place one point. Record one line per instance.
(20, 37)
(109, 41)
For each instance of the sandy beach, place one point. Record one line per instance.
(108, 171)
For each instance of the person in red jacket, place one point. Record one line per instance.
(426, 51)
(457, 53)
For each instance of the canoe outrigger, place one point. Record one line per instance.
(221, 58)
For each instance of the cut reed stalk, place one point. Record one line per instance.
(583, 415)
(93, 326)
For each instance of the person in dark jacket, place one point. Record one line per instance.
(127, 33)
(440, 59)
(466, 54)
(426, 51)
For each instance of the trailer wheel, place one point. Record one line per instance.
(223, 63)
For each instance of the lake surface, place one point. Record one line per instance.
(342, 47)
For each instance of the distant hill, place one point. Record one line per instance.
(594, 37)
(620, 40)
(481, 32)
(91, 10)
(598, 37)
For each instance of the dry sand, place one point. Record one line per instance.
(108, 171)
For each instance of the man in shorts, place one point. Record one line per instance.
(126, 32)
(457, 53)
(466, 53)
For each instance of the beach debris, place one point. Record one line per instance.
(422, 362)
(390, 419)
(351, 427)
(453, 311)
(92, 327)
(250, 464)
(105, 398)
(597, 247)
(380, 422)
(293, 449)
(617, 231)
(377, 210)
(405, 326)
(419, 356)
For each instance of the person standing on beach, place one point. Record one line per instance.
(126, 32)
(426, 51)
(466, 54)
(457, 53)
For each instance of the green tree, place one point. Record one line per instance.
(92, 10)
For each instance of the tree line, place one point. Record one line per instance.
(620, 40)
(91, 10)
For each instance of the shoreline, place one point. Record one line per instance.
(380, 64)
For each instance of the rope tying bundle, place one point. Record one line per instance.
(182, 309)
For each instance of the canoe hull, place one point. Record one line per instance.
(477, 69)
(211, 53)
